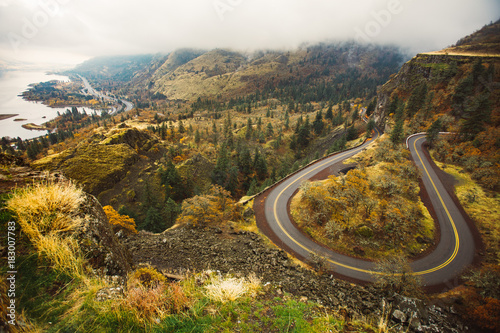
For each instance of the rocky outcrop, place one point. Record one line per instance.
(99, 244)
(102, 163)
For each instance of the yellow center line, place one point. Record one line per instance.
(339, 157)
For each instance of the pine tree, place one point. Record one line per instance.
(260, 165)
(433, 131)
(371, 107)
(329, 113)
(351, 133)
(369, 128)
(220, 171)
(248, 134)
(174, 186)
(170, 212)
(397, 132)
(252, 190)
(181, 127)
(318, 124)
(416, 100)
(197, 137)
(270, 130)
(476, 114)
(153, 221)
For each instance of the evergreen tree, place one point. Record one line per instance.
(351, 133)
(477, 113)
(248, 134)
(181, 127)
(197, 137)
(303, 135)
(245, 162)
(269, 130)
(260, 165)
(170, 212)
(397, 132)
(416, 100)
(287, 121)
(433, 131)
(174, 185)
(371, 107)
(252, 190)
(153, 221)
(329, 113)
(318, 124)
(369, 128)
(220, 172)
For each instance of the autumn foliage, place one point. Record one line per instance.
(120, 222)
(375, 206)
(216, 207)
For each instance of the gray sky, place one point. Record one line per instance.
(69, 31)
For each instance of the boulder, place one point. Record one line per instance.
(98, 242)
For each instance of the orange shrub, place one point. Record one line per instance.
(487, 315)
(120, 222)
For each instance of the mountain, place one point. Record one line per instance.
(189, 74)
(229, 74)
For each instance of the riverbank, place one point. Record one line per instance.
(7, 116)
(35, 127)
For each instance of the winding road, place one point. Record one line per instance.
(454, 252)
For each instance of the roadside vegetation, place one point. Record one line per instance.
(373, 211)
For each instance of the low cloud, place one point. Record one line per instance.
(69, 30)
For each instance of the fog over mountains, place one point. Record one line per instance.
(69, 31)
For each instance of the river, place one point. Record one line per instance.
(12, 84)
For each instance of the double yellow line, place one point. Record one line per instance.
(339, 157)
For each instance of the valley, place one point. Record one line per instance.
(285, 172)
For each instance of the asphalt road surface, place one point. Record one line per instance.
(454, 252)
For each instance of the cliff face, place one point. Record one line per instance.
(445, 82)
(441, 74)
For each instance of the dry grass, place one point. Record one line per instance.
(47, 213)
(228, 289)
(47, 208)
(64, 253)
(484, 209)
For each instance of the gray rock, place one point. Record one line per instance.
(398, 316)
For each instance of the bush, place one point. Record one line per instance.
(120, 222)
(395, 276)
(151, 297)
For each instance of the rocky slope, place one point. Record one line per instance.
(230, 250)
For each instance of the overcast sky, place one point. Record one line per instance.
(69, 31)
